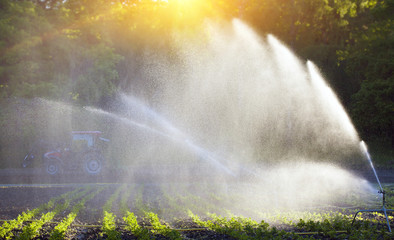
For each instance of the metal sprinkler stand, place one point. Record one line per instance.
(382, 210)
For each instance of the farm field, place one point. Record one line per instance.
(171, 211)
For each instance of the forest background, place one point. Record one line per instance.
(80, 51)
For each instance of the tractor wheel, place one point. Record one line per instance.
(93, 162)
(53, 167)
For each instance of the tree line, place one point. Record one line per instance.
(78, 50)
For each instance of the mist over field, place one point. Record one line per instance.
(236, 113)
(191, 119)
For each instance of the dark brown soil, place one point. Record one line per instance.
(15, 200)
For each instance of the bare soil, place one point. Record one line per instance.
(15, 200)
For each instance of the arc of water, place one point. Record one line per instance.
(142, 108)
(364, 148)
(333, 102)
(178, 137)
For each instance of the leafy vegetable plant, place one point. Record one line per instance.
(109, 226)
(133, 226)
(160, 228)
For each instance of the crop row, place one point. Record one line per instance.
(61, 229)
(134, 211)
(7, 227)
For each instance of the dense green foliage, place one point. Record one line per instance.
(368, 58)
(81, 51)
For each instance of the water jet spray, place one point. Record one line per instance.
(170, 133)
(237, 103)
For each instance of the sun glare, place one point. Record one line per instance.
(188, 13)
(189, 6)
(187, 2)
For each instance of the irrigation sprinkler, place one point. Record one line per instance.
(383, 210)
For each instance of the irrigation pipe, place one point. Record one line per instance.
(190, 229)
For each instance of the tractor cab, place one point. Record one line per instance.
(85, 140)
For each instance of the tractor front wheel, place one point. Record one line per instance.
(93, 163)
(53, 167)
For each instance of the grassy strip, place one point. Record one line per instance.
(109, 225)
(242, 228)
(336, 228)
(8, 226)
(108, 205)
(60, 230)
(330, 229)
(173, 208)
(200, 204)
(123, 206)
(33, 230)
(139, 204)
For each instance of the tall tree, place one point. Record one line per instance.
(369, 58)
(23, 31)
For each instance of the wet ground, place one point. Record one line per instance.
(17, 199)
(134, 175)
